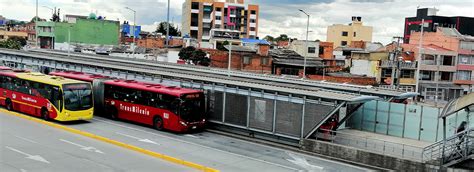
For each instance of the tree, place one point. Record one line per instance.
(20, 40)
(269, 38)
(162, 29)
(199, 57)
(39, 19)
(193, 56)
(10, 44)
(186, 53)
(282, 37)
(221, 45)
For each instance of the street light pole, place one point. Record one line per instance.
(230, 57)
(36, 24)
(52, 10)
(168, 26)
(133, 30)
(306, 50)
(69, 41)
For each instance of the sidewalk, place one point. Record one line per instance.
(382, 144)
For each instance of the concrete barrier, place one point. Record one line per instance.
(365, 157)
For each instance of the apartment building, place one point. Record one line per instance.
(463, 48)
(432, 21)
(214, 21)
(344, 35)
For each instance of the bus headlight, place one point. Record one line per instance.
(183, 123)
(67, 114)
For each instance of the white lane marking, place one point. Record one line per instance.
(195, 144)
(190, 135)
(302, 162)
(25, 139)
(139, 139)
(29, 156)
(86, 148)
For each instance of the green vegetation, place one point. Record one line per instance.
(194, 56)
(12, 43)
(162, 29)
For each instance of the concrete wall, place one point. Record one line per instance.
(299, 47)
(365, 157)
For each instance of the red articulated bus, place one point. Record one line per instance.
(160, 106)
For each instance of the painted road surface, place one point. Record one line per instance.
(213, 150)
(30, 146)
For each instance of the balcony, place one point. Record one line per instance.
(253, 16)
(206, 20)
(403, 65)
(253, 24)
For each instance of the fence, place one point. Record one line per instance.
(407, 121)
(269, 113)
(373, 145)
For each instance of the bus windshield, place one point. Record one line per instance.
(77, 97)
(192, 107)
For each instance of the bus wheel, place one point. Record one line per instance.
(9, 105)
(158, 123)
(45, 114)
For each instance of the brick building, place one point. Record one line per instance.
(248, 59)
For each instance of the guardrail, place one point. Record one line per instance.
(373, 145)
(455, 149)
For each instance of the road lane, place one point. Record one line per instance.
(24, 145)
(213, 150)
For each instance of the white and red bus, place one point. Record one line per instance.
(160, 106)
(45, 96)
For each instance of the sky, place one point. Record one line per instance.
(276, 16)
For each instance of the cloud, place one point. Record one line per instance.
(276, 16)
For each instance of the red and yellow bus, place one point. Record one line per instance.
(160, 106)
(45, 96)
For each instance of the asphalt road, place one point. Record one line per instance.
(30, 146)
(213, 150)
(61, 149)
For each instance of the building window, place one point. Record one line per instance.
(321, 51)
(265, 61)
(344, 33)
(448, 61)
(219, 9)
(464, 75)
(340, 63)
(355, 34)
(195, 5)
(253, 21)
(311, 50)
(407, 74)
(252, 29)
(218, 17)
(217, 26)
(428, 59)
(446, 76)
(464, 59)
(343, 43)
(253, 12)
(246, 60)
(427, 76)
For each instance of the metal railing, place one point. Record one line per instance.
(402, 64)
(373, 145)
(455, 149)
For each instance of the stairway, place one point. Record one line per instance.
(454, 150)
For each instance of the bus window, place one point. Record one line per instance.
(77, 97)
(192, 107)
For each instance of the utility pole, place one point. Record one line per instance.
(230, 57)
(396, 71)
(36, 24)
(438, 63)
(307, 33)
(168, 26)
(419, 59)
(133, 29)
